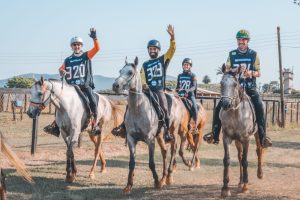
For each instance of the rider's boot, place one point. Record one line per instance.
(52, 129)
(167, 135)
(95, 127)
(213, 137)
(260, 118)
(120, 130)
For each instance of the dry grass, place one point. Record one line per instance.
(281, 180)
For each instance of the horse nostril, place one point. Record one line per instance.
(117, 86)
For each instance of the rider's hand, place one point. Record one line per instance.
(248, 73)
(62, 72)
(93, 33)
(145, 87)
(171, 32)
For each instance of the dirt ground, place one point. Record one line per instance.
(281, 170)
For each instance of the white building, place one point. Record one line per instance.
(288, 76)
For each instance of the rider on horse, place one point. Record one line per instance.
(153, 75)
(77, 70)
(248, 60)
(187, 87)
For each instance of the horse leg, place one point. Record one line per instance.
(70, 163)
(2, 186)
(226, 162)
(259, 152)
(173, 153)
(239, 148)
(151, 147)
(163, 150)
(182, 143)
(74, 169)
(174, 163)
(132, 147)
(95, 140)
(199, 139)
(245, 167)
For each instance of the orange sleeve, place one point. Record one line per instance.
(91, 53)
(62, 67)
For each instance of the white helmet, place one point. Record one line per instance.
(76, 39)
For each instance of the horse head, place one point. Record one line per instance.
(40, 97)
(127, 77)
(230, 87)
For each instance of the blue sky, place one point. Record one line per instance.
(36, 34)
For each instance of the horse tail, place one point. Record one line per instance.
(116, 113)
(14, 160)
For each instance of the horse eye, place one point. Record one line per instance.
(130, 73)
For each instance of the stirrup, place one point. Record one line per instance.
(266, 142)
(119, 131)
(208, 138)
(168, 137)
(52, 129)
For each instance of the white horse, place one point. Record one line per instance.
(71, 117)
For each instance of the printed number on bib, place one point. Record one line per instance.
(185, 84)
(155, 71)
(75, 72)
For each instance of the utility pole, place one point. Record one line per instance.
(281, 81)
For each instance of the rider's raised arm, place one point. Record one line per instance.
(91, 53)
(169, 54)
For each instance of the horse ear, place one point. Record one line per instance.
(42, 80)
(136, 62)
(126, 63)
(223, 68)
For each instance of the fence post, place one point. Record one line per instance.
(34, 135)
(7, 102)
(291, 120)
(273, 113)
(278, 112)
(13, 110)
(25, 102)
(266, 117)
(297, 117)
(1, 102)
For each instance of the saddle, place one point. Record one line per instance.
(87, 107)
(154, 100)
(188, 105)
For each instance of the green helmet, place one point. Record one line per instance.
(243, 34)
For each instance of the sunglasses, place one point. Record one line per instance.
(76, 44)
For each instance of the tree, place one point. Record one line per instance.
(206, 79)
(20, 82)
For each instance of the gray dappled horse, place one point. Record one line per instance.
(142, 124)
(238, 123)
(71, 117)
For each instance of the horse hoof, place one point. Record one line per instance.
(103, 170)
(240, 185)
(260, 174)
(225, 193)
(245, 190)
(191, 169)
(127, 190)
(92, 176)
(170, 180)
(162, 183)
(70, 179)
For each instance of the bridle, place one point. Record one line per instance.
(130, 79)
(42, 105)
(233, 97)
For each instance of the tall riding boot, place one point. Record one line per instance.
(167, 135)
(216, 127)
(260, 118)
